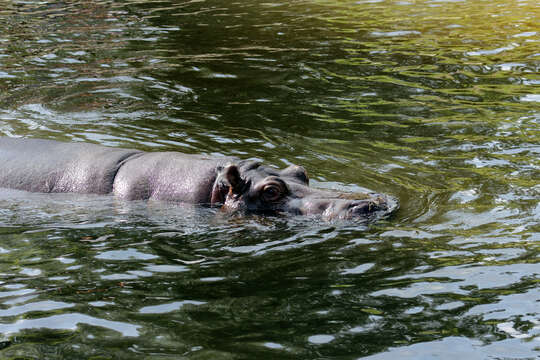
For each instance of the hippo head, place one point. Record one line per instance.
(250, 187)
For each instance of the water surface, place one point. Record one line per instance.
(434, 102)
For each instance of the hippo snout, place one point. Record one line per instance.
(374, 206)
(363, 208)
(352, 209)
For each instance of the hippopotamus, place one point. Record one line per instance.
(231, 184)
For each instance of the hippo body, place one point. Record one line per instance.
(233, 185)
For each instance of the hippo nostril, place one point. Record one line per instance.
(360, 207)
(364, 207)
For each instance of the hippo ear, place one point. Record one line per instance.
(232, 174)
(297, 172)
(229, 181)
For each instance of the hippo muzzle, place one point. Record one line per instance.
(373, 205)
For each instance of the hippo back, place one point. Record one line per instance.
(48, 166)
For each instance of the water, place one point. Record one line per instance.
(435, 102)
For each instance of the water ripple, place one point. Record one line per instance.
(70, 322)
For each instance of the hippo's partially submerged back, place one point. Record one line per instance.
(232, 184)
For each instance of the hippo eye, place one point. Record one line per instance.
(271, 193)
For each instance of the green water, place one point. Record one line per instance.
(435, 102)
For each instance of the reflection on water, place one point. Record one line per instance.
(435, 102)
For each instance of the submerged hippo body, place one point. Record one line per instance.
(234, 185)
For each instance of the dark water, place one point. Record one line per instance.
(436, 102)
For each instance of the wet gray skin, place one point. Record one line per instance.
(231, 184)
